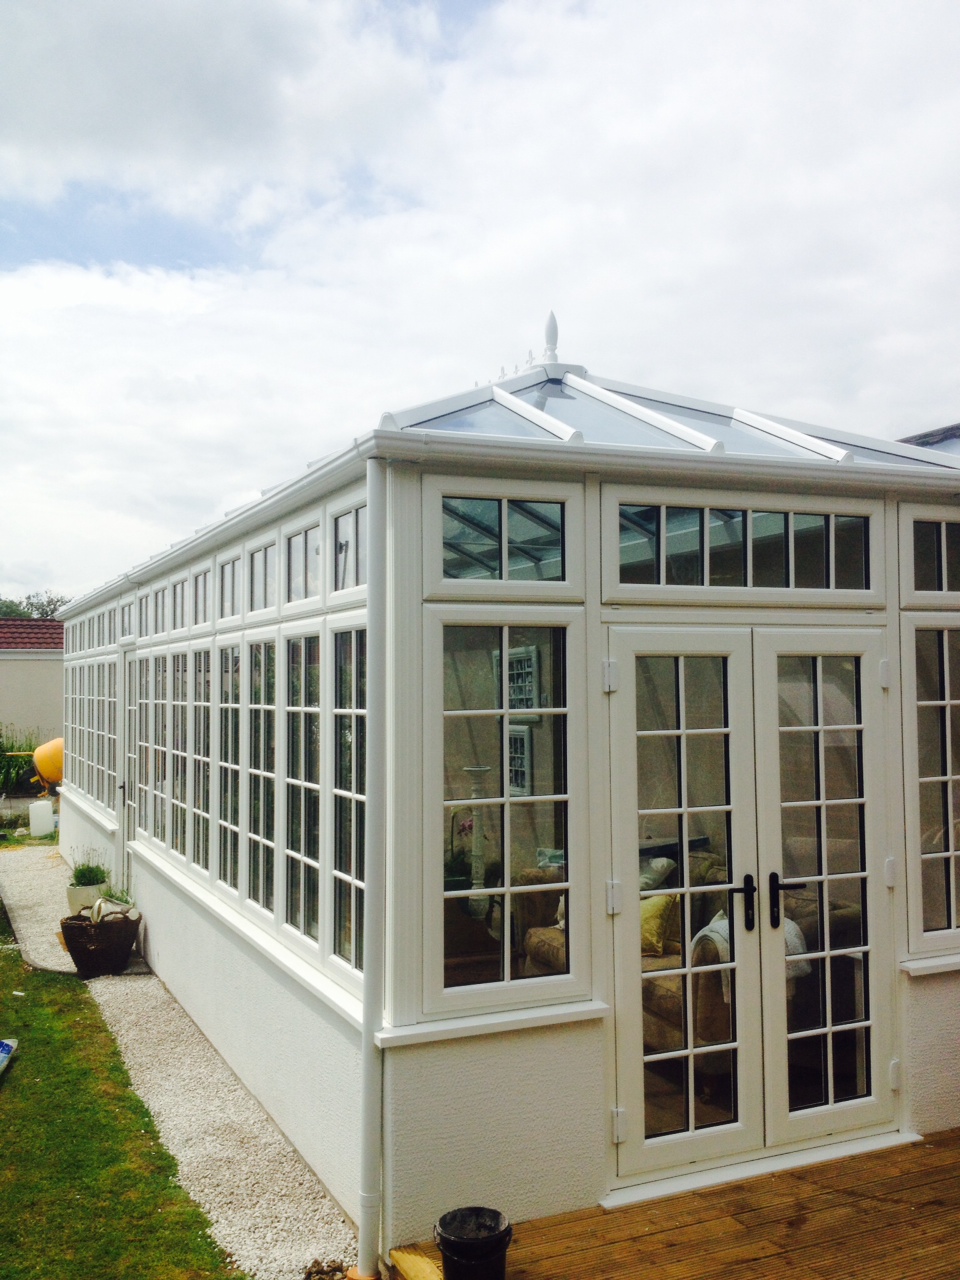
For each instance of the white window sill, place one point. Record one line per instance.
(930, 965)
(485, 1024)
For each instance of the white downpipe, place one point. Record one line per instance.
(371, 1065)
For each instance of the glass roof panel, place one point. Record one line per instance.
(737, 437)
(863, 453)
(599, 422)
(486, 419)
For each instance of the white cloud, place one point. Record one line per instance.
(743, 201)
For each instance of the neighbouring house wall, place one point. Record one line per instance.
(513, 1120)
(931, 1076)
(298, 1057)
(31, 692)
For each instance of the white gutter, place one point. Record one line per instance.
(371, 1063)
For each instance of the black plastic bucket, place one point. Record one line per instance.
(473, 1243)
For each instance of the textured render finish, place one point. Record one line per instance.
(515, 1121)
(931, 1079)
(297, 1057)
(31, 694)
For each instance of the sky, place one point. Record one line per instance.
(233, 234)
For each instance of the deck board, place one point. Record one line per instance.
(869, 1217)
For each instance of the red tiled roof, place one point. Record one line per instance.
(31, 633)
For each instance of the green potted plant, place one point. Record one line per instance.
(88, 883)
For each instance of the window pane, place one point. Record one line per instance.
(845, 847)
(535, 541)
(810, 550)
(936, 893)
(850, 551)
(706, 770)
(658, 772)
(473, 853)
(770, 568)
(536, 675)
(728, 549)
(704, 700)
(797, 685)
(931, 742)
(270, 576)
(471, 953)
(801, 842)
(360, 532)
(952, 531)
(927, 569)
(344, 556)
(840, 677)
(798, 767)
(640, 544)
(841, 764)
(311, 552)
(471, 538)
(472, 756)
(538, 842)
(684, 563)
(657, 694)
(471, 665)
(929, 666)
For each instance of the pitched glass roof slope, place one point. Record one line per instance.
(593, 412)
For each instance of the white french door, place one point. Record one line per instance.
(753, 962)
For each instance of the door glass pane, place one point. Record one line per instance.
(657, 694)
(824, 921)
(703, 693)
(687, 960)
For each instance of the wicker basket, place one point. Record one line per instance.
(99, 949)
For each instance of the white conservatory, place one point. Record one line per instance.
(553, 799)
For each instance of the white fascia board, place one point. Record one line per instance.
(776, 429)
(333, 473)
(537, 417)
(649, 416)
(445, 450)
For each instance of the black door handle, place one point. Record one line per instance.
(776, 886)
(749, 892)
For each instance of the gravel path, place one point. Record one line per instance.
(266, 1207)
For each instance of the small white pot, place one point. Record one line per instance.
(84, 895)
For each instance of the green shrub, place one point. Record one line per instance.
(88, 873)
(16, 770)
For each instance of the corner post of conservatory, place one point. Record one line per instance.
(371, 1065)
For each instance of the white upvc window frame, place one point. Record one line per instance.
(303, 523)
(532, 992)
(936, 513)
(941, 941)
(340, 624)
(436, 587)
(616, 592)
(229, 563)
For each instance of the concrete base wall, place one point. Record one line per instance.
(297, 1056)
(84, 839)
(514, 1121)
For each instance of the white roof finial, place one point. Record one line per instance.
(550, 351)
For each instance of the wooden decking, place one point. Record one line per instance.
(891, 1214)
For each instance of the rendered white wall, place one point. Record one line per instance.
(83, 839)
(31, 693)
(931, 1075)
(297, 1056)
(515, 1121)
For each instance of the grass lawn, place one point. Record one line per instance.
(87, 1191)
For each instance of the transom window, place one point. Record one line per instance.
(505, 873)
(718, 547)
(503, 539)
(936, 555)
(201, 597)
(303, 564)
(350, 549)
(160, 610)
(178, 616)
(263, 577)
(230, 588)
